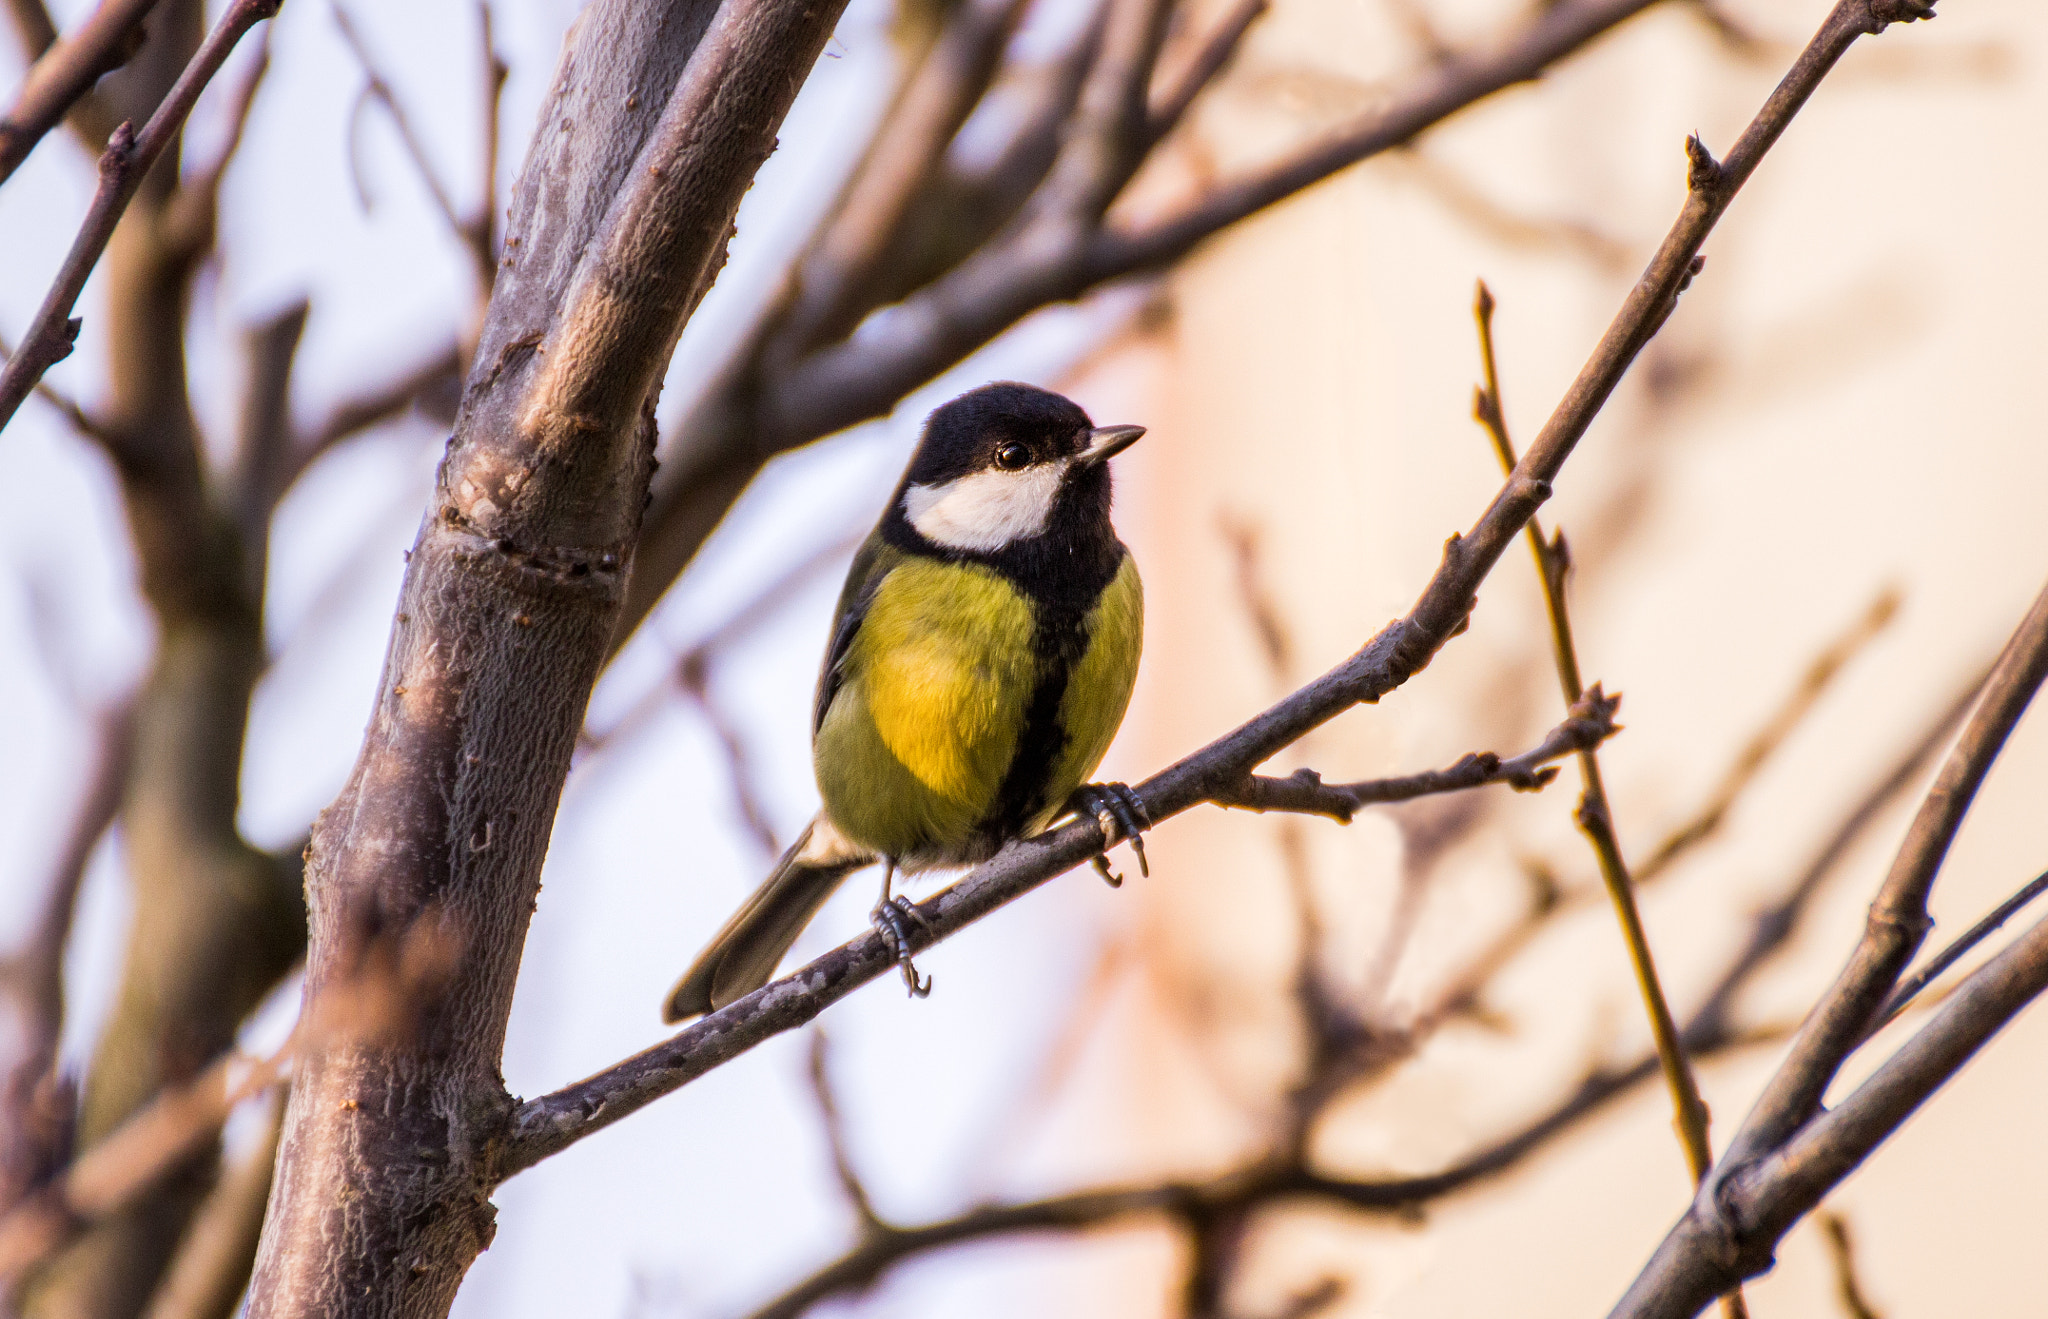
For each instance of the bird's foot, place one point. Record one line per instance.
(892, 918)
(1122, 818)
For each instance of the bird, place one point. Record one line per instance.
(981, 658)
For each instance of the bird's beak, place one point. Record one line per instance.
(1106, 442)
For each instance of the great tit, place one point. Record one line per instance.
(981, 659)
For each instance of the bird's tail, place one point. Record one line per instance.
(742, 956)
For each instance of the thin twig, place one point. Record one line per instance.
(1773, 925)
(122, 167)
(207, 1276)
(1193, 78)
(378, 89)
(81, 421)
(38, 1106)
(480, 231)
(834, 1122)
(1912, 986)
(192, 217)
(1842, 1254)
(382, 403)
(1590, 722)
(266, 443)
(765, 604)
(753, 811)
(1595, 816)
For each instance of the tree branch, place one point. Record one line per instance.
(1591, 722)
(1732, 1230)
(81, 421)
(64, 73)
(127, 1163)
(1595, 816)
(1843, 1256)
(848, 1176)
(1898, 918)
(1201, 69)
(192, 219)
(1710, 1032)
(122, 167)
(378, 89)
(1911, 987)
(207, 1276)
(833, 281)
(264, 446)
(375, 406)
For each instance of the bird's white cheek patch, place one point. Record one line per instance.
(987, 510)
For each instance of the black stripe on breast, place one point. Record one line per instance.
(1058, 641)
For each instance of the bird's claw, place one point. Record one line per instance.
(1122, 818)
(892, 919)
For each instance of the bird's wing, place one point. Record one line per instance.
(874, 561)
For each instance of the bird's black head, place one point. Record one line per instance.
(1006, 472)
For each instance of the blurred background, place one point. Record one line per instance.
(1831, 452)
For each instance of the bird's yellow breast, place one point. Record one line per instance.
(917, 740)
(913, 751)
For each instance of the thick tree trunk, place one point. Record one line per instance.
(421, 877)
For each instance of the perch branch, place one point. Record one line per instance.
(1710, 1032)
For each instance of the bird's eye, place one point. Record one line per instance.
(1011, 456)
